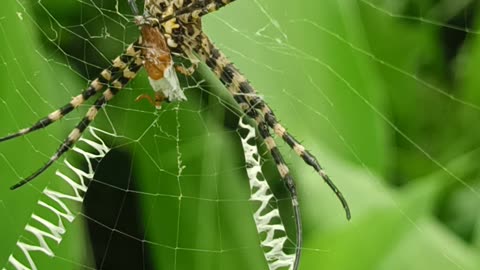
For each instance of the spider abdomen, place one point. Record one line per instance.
(159, 64)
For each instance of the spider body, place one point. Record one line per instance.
(173, 27)
(158, 62)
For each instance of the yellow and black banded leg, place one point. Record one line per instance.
(192, 9)
(105, 77)
(247, 89)
(264, 132)
(281, 167)
(237, 84)
(200, 8)
(294, 144)
(228, 74)
(128, 73)
(299, 149)
(289, 183)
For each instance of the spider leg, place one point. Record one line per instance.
(211, 56)
(199, 8)
(281, 167)
(299, 149)
(128, 74)
(105, 77)
(187, 71)
(236, 83)
(194, 10)
(157, 103)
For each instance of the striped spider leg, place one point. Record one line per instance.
(185, 36)
(232, 78)
(106, 77)
(238, 85)
(165, 10)
(122, 70)
(150, 50)
(257, 109)
(125, 71)
(264, 132)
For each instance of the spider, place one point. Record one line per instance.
(173, 27)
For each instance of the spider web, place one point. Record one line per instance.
(173, 192)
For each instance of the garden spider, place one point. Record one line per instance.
(174, 27)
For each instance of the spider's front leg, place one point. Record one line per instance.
(200, 8)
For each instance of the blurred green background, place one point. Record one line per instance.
(384, 93)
